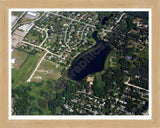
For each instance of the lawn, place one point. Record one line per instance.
(40, 95)
(46, 70)
(111, 60)
(23, 73)
(20, 58)
(107, 61)
(101, 83)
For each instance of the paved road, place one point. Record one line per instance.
(67, 31)
(40, 48)
(127, 83)
(116, 22)
(29, 80)
(82, 30)
(83, 16)
(45, 38)
(120, 18)
(81, 35)
(19, 18)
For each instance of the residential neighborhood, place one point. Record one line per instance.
(80, 62)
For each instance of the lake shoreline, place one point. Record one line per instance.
(86, 62)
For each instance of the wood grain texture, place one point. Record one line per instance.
(6, 4)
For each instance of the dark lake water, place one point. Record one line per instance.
(90, 61)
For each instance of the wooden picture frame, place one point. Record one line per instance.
(4, 114)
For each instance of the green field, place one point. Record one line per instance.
(43, 71)
(20, 58)
(107, 61)
(23, 73)
(100, 82)
(40, 95)
(36, 97)
(110, 61)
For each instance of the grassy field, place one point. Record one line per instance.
(107, 61)
(100, 82)
(40, 94)
(47, 70)
(23, 73)
(20, 58)
(39, 99)
(111, 60)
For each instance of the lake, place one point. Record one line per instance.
(90, 61)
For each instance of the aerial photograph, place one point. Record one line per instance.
(79, 62)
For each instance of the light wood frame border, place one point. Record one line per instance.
(4, 8)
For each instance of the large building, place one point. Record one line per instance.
(32, 15)
(26, 27)
(19, 33)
